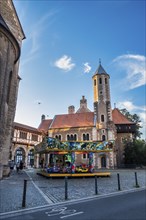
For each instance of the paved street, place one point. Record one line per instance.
(127, 206)
(43, 191)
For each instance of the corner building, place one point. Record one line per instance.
(11, 36)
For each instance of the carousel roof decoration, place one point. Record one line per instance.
(50, 144)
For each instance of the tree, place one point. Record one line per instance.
(135, 152)
(133, 118)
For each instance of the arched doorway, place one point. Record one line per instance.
(31, 158)
(19, 155)
(103, 161)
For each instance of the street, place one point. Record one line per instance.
(126, 206)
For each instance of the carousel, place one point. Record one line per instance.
(62, 160)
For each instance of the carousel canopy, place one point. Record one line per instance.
(50, 144)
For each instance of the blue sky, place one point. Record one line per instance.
(61, 52)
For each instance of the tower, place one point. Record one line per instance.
(11, 36)
(102, 104)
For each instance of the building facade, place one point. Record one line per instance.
(101, 124)
(23, 142)
(11, 36)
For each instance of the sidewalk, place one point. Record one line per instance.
(46, 191)
(11, 193)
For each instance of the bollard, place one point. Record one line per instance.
(118, 176)
(66, 188)
(24, 194)
(96, 189)
(136, 181)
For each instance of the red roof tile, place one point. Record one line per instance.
(44, 125)
(73, 120)
(119, 118)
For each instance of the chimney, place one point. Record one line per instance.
(83, 102)
(42, 117)
(71, 109)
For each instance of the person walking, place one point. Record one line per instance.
(17, 167)
(21, 165)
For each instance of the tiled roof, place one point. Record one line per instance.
(44, 125)
(119, 118)
(73, 120)
(25, 127)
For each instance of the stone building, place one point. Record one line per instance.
(11, 36)
(24, 139)
(102, 124)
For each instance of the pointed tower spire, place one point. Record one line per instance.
(99, 61)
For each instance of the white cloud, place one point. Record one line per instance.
(35, 31)
(130, 106)
(87, 67)
(134, 67)
(65, 63)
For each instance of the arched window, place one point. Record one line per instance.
(75, 137)
(87, 137)
(102, 118)
(71, 137)
(59, 137)
(68, 137)
(84, 137)
(105, 80)
(100, 81)
(56, 136)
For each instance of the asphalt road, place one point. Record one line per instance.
(126, 206)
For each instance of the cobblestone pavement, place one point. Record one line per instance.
(11, 188)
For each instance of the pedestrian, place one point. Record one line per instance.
(17, 166)
(21, 165)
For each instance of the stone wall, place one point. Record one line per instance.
(9, 79)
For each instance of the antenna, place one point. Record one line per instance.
(114, 105)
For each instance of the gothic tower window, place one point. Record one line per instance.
(105, 80)
(94, 82)
(100, 81)
(102, 118)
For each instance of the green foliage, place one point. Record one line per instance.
(135, 152)
(133, 118)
